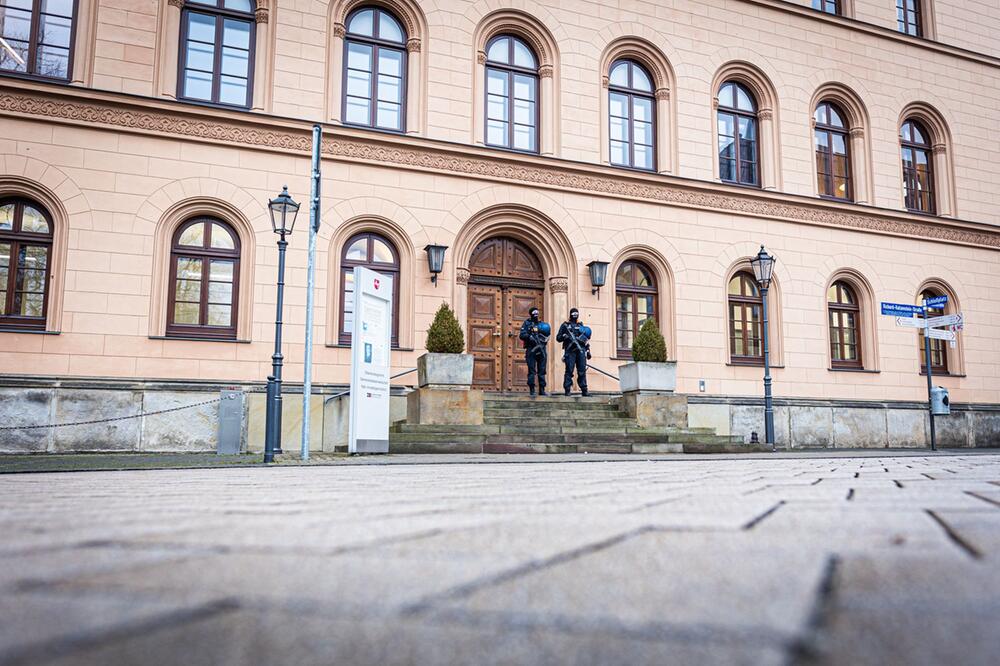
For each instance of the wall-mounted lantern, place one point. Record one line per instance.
(435, 261)
(598, 276)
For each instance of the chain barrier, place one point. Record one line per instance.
(112, 419)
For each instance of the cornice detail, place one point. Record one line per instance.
(413, 45)
(558, 285)
(462, 276)
(254, 132)
(179, 4)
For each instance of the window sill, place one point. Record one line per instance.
(193, 338)
(370, 128)
(923, 373)
(861, 370)
(33, 331)
(212, 105)
(753, 365)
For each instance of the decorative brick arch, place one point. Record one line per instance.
(65, 203)
(766, 96)
(647, 54)
(734, 259)
(868, 315)
(859, 129)
(396, 224)
(169, 207)
(942, 149)
(414, 22)
(537, 35)
(647, 247)
(943, 281)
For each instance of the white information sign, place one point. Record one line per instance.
(940, 334)
(910, 322)
(371, 336)
(946, 320)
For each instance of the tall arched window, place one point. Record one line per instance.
(511, 94)
(939, 348)
(25, 262)
(918, 173)
(909, 17)
(217, 51)
(375, 70)
(739, 160)
(377, 253)
(833, 162)
(37, 37)
(631, 114)
(845, 326)
(827, 6)
(204, 280)
(745, 320)
(635, 298)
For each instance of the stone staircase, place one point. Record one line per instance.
(556, 424)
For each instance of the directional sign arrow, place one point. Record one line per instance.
(910, 322)
(940, 334)
(946, 320)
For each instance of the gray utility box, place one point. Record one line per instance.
(940, 403)
(231, 408)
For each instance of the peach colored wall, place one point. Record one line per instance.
(117, 182)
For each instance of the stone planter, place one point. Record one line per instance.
(648, 377)
(445, 371)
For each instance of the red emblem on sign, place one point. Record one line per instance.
(376, 284)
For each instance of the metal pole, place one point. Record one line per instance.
(272, 442)
(768, 405)
(310, 281)
(930, 382)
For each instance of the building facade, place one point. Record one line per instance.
(140, 141)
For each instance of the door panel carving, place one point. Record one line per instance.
(485, 305)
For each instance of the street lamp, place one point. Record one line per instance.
(598, 275)
(763, 266)
(283, 213)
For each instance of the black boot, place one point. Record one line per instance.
(567, 393)
(584, 392)
(531, 391)
(542, 392)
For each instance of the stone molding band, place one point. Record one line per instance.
(378, 149)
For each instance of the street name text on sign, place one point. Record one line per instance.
(901, 309)
(936, 302)
(370, 361)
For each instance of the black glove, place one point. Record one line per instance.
(588, 355)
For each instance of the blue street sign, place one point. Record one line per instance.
(936, 302)
(901, 309)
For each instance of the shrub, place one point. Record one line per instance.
(649, 345)
(445, 335)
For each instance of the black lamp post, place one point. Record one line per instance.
(763, 266)
(598, 276)
(435, 261)
(283, 213)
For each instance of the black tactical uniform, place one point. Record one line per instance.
(535, 351)
(576, 351)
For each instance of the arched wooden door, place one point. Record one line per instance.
(505, 282)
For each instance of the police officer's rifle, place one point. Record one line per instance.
(538, 339)
(575, 341)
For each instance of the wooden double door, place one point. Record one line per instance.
(505, 283)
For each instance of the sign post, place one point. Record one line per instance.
(371, 336)
(310, 283)
(909, 316)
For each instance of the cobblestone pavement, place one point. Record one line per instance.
(829, 560)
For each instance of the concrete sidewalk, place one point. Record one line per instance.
(815, 558)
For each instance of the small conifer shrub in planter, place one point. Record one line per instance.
(444, 365)
(649, 371)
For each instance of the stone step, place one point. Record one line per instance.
(576, 438)
(539, 429)
(545, 407)
(401, 427)
(556, 413)
(548, 424)
(605, 398)
(727, 447)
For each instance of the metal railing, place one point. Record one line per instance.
(348, 391)
(606, 374)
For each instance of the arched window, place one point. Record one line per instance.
(217, 51)
(25, 262)
(939, 348)
(833, 162)
(375, 70)
(631, 114)
(377, 253)
(204, 280)
(37, 37)
(909, 17)
(918, 173)
(827, 6)
(745, 320)
(511, 94)
(635, 297)
(739, 160)
(845, 326)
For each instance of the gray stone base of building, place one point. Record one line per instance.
(799, 423)
(846, 424)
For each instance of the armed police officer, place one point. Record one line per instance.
(574, 337)
(535, 337)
